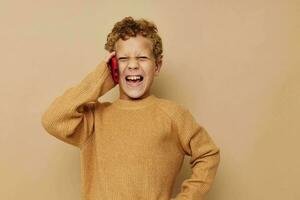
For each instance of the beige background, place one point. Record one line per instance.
(234, 64)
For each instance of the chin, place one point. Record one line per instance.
(134, 94)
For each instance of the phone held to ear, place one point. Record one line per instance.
(114, 69)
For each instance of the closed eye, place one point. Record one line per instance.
(123, 58)
(143, 57)
(140, 58)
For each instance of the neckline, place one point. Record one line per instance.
(135, 104)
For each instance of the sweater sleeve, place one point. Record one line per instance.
(70, 117)
(204, 157)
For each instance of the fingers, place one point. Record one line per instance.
(109, 56)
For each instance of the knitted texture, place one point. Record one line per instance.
(131, 149)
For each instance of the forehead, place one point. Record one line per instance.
(134, 45)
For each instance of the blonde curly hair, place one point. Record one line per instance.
(129, 27)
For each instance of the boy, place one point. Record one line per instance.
(134, 147)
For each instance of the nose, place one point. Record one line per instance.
(133, 64)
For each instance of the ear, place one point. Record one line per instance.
(158, 64)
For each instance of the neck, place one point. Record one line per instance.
(134, 103)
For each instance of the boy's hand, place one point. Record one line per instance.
(107, 59)
(109, 56)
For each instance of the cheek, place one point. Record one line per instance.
(121, 73)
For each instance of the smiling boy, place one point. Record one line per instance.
(135, 58)
(132, 148)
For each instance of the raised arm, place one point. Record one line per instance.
(205, 157)
(70, 117)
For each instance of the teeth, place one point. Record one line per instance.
(134, 77)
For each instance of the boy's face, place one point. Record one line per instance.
(135, 57)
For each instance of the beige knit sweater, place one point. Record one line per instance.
(131, 150)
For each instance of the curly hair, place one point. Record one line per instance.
(129, 27)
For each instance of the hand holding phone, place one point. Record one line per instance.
(114, 69)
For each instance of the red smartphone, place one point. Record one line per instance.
(114, 69)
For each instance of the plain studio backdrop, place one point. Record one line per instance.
(234, 64)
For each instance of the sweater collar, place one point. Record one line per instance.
(134, 104)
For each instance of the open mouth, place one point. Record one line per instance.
(134, 80)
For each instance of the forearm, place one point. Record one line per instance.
(204, 169)
(69, 113)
